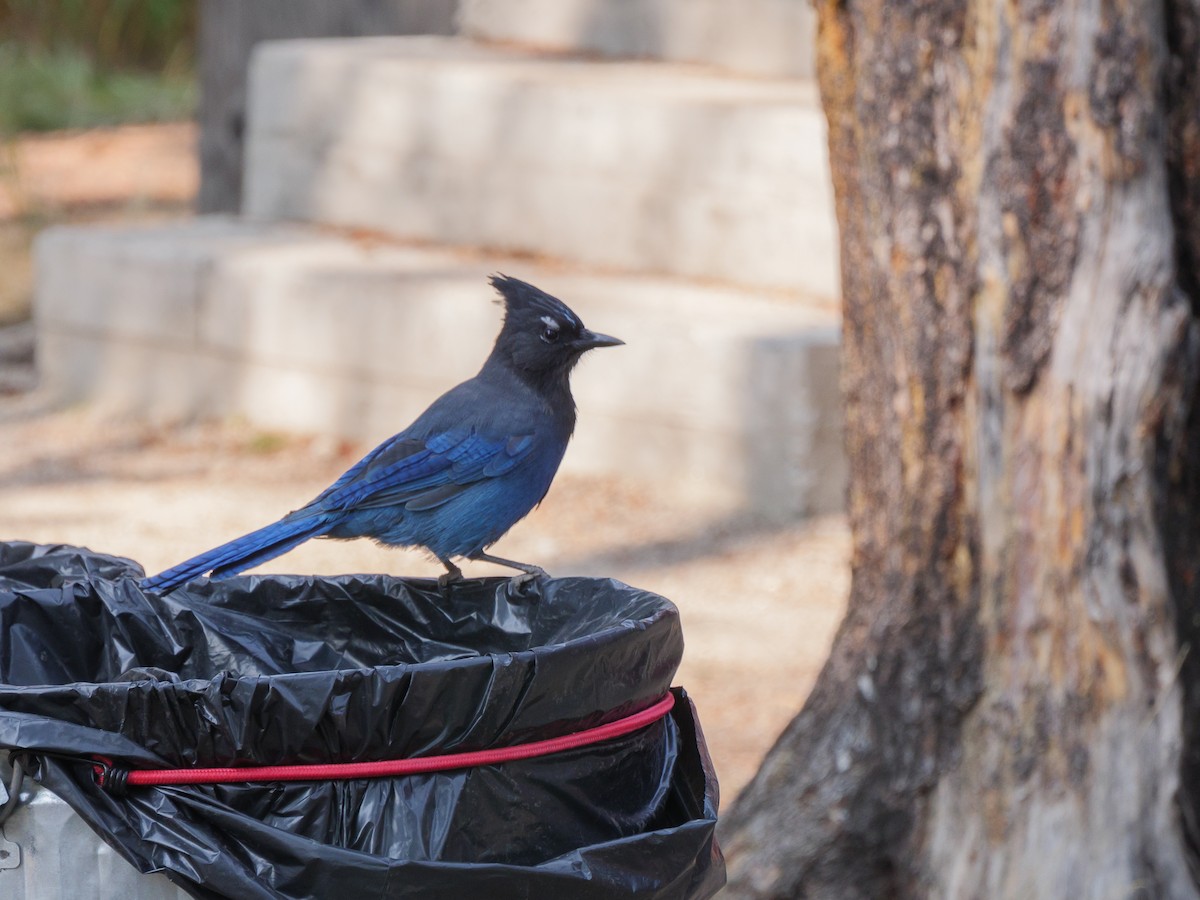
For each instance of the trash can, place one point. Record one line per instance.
(370, 736)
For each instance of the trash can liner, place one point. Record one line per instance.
(290, 670)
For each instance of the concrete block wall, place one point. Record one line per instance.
(634, 166)
(229, 30)
(303, 330)
(756, 37)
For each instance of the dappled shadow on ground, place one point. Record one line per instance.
(707, 537)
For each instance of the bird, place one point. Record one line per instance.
(471, 466)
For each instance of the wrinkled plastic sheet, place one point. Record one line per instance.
(278, 670)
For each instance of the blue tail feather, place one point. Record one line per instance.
(241, 553)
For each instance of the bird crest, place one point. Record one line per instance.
(521, 297)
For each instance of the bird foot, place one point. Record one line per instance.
(444, 581)
(522, 589)
(453, 575)
(533, 573)
(528, 572)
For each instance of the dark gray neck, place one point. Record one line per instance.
(552, 387)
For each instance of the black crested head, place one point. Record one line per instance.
(542, 338)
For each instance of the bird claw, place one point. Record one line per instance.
(518, 581)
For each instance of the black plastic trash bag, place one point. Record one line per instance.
(295, 670)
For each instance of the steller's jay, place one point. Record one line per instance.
(471, 466)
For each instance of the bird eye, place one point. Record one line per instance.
(550, 332)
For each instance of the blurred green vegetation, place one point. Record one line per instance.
(153, 35)
(44, 90)
(83, 63)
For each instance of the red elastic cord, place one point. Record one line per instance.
(395, 767)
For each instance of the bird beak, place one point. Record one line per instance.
(589, 340)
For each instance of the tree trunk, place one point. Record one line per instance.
(1010, 709)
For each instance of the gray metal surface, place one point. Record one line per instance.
(48, 853)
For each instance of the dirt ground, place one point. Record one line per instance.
(759, 603)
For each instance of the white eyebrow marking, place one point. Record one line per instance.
(551, 321)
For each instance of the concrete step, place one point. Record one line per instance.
(757, 37)
(635, 166)
(722, 394)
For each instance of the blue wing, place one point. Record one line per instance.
(422, 473)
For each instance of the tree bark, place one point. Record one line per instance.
(1010, 708)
